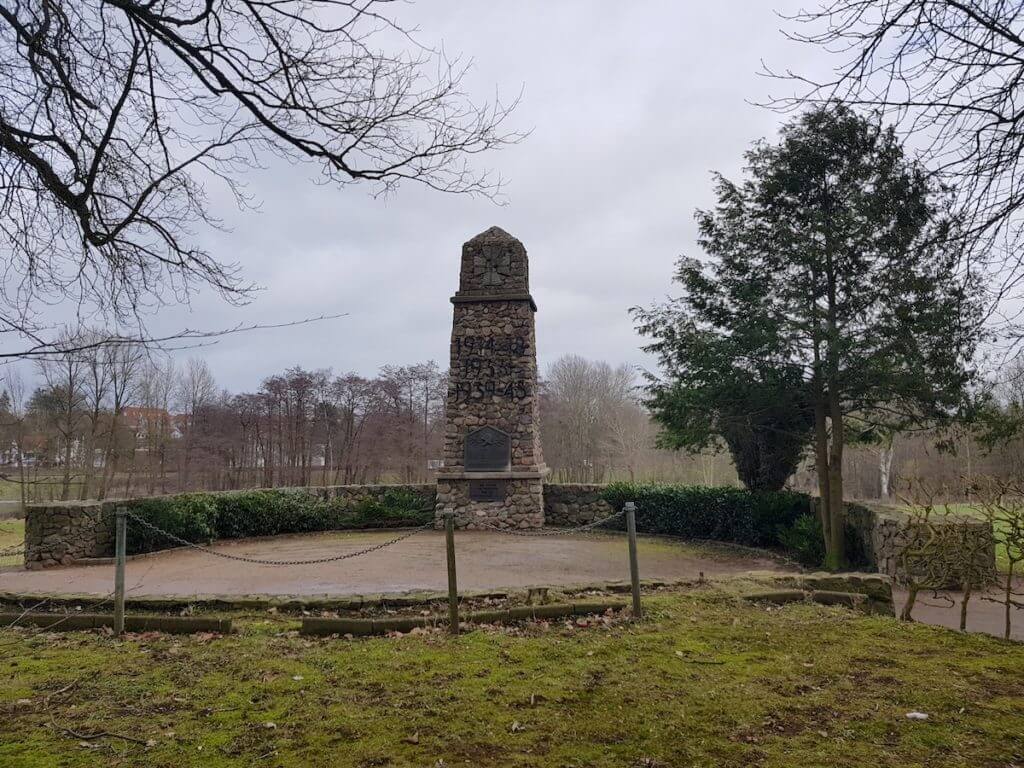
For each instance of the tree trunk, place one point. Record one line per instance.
(884, 470)
(65, 490)
(1009, 601)
(822, 470)
(836, 555)
(964, 601)
(908, 607)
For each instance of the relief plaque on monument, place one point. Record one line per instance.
(488, 450)
(486, 490)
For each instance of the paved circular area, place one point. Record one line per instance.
(485, 561)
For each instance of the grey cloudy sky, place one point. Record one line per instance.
(631, 105)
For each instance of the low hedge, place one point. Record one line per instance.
(782, 520)
(206, 517)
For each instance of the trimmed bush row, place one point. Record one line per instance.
(205, 517)
(782, 520)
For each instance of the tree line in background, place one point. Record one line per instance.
(114, 421)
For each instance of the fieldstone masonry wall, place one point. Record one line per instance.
(572, 504)
(61, 532)
(884, 534)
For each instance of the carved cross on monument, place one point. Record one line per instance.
(496, 262)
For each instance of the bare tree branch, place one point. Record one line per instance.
(117, 115)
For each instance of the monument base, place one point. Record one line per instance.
(508, 500)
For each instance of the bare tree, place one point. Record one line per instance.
(195, 390)
(1001, 503)
(940, 548)
(15, 426)
(123, 362)
(153, 427)
(950, 73)
(96, 390)
(115, 116)
(631, 434)
(63, 399)
(582, 398)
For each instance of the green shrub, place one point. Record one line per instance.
(395, 507)
(803, 540)
(778, 520)
(201, 517)
(735, 515)
(269, 512)
(190, 516)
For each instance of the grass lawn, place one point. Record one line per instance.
(12, 532)
(704, 681)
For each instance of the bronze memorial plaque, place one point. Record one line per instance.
(486, 490)
(488, 450)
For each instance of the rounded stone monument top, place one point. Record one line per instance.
(494, 264)
(494, 234)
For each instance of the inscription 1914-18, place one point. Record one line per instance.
(490, 345)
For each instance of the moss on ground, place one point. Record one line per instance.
(705, 680)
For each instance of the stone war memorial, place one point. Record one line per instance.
(493, 464)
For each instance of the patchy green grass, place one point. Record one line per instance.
(12, 532)
(704, 681)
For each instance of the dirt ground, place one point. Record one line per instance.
(484, 561)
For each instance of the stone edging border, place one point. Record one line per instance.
(382, 625)
(70, 622)
(323, 602)
(858, 583)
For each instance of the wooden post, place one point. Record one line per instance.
(634, 567)
(453, 588)
(120, 547)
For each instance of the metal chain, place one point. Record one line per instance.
(258, 561)
(551, 531)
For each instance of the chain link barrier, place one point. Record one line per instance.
(257, 561)
(17, 549)
(536, 533)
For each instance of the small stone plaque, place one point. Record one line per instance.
(488, 450)
(486, 490)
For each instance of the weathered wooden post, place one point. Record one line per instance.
(453, 587)
(120, 548)
(634, 567)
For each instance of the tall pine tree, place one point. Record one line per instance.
(834, 271)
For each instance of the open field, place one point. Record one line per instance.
(704, 680)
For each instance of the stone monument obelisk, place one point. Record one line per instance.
(493, 467)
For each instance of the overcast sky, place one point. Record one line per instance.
(631, 106)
